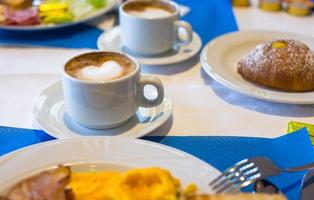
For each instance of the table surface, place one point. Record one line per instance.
(201, 106)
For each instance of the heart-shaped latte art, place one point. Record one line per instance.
(107, 71)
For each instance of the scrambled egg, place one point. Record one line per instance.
(137, 184)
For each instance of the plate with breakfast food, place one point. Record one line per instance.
(272, 66)
(29, 15)
(108, 168)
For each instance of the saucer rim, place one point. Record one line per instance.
(54, 132)
(143, 60)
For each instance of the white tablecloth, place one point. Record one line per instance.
(201, 106)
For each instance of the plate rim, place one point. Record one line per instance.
(206, 65)
(51, 131)
(98, 13)
(153, 63)
(9, 157)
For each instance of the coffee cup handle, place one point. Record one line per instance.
(150, 80)
(187, 28)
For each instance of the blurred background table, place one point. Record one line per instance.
(29, 62)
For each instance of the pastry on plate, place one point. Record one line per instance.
(281, 64)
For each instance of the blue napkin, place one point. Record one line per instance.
(221, 152)
(209, 18)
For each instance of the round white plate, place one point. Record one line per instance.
(109, 153)
(110, 5)
(220, 56)
(49, 113)
(110, 40)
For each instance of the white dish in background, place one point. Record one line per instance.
(105, 153)
(110, 4)
(220, 56)
(110, 40)
(49, 113)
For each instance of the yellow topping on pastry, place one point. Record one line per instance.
(279, 45)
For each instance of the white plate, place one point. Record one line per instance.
(49, 113)
(110, 5)
(110, 40)
(111, 153)
(220, 56)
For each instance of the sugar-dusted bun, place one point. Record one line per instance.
(280, 64)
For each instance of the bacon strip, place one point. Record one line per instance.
(29, 16)
(48, 185)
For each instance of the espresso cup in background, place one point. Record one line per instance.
(104, 89)
(152, 27)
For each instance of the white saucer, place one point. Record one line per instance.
(49, 113)
(111, 40)
(220, 57)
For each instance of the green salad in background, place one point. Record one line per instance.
(48, 12)
(81, 8)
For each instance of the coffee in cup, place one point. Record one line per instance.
(92, 67)
(152, 27)
(104, 89)
(149, 10)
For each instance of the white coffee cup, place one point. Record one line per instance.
(152, 31)
(107, 104)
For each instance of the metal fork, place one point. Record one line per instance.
(248, 171)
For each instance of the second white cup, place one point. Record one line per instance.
(152, 27)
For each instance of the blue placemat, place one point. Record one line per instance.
(221, 152)
(77, 36)
(209, 18)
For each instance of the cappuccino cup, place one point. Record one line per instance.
(150, 27)
(103, 90)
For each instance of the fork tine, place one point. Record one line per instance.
(254, 177)
(222, 187)
(228, 171)
(224, 178)
(236, 178)
(238, 186)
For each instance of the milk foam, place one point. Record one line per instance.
(107, 71)
(150, 12)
